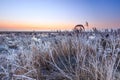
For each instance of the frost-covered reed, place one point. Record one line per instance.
(88, 56)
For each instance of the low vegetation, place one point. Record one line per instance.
(80, 56)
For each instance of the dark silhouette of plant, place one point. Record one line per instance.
(95, 29)
(79, 28)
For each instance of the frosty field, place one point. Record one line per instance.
(60, 55)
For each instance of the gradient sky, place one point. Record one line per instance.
(58, 14)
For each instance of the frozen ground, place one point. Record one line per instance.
(20, 55)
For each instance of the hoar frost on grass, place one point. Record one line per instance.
(83, 57)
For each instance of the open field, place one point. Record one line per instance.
(60, 55)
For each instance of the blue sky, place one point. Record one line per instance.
(105, 13)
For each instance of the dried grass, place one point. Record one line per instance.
(70, 59)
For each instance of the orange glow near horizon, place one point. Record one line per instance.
(25, 26)
(18, 26)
